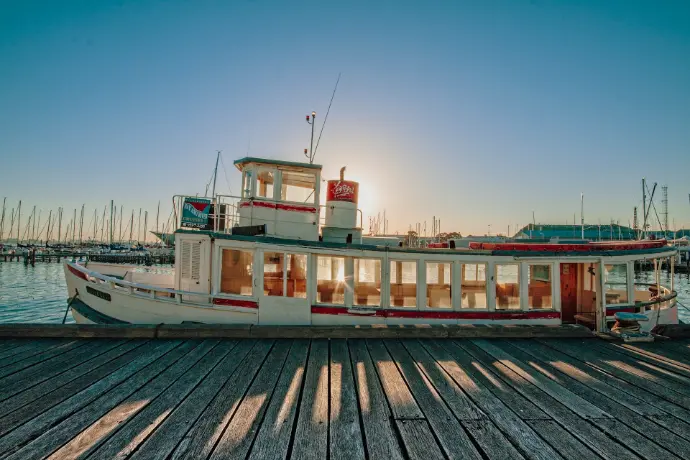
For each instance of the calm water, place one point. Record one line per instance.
(39, 294)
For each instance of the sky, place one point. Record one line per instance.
(477, 112)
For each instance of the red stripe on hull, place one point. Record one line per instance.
(282, 207)
(417, 314)
(77, 273)
(236, 303)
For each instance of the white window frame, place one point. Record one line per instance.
(524, 293)
(494, 277)
(315, 280)
(487, 285)
(352, 285)
(424, 262)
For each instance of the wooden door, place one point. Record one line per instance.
(568, 292)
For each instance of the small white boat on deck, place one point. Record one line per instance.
(265, 258)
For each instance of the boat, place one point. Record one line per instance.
(275, 255)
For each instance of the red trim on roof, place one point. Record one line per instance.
(280, 206)
(438, 245)
(577, 247)
(427, 314)
(235, 303)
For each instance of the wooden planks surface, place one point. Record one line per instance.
(356, 398)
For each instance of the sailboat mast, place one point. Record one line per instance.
(119, 236)
(215, 174)
(59, 224)
(95, 224)
(2, 219)
(157, 213)
(33, 226)
(74, 226)
(111, 221)
(11, 224)
(146, 225)
(131, 226)
(81, 225)
(138, 225)
(50, 215)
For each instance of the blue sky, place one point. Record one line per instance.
(477, 112)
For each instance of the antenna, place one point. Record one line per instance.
(312, 150)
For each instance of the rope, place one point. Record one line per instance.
(69, 304)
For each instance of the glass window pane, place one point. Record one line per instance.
(367, 282)
(539, 286)
(247, 184)
(265, 184)
(236, 272)
(473, 286)
(507, 286)
(273, 273)
(403, 283)
(438, 293)
(298, 187)
(297, 275)
(330, 280)
(615, 280)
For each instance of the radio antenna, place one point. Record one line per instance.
(312, 150)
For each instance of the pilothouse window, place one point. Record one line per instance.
(265, 180)
(298, 187)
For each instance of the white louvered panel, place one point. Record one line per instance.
(196, 260)
(185, 272)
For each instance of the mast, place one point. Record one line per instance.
(111, 221)
(2, 219)
(119, 236)
(146, 225)
(139, 226)
(582, 214)
(19, 219)
(33, 226)
(50, 215)
(157, 213)
(95, 224)
(11, 225)
(102, 223)
(59, 223)
(215, 174)
(74, 226)
(643, 233)
(81, 224)
(131, 226)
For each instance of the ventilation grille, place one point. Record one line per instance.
(190, 263)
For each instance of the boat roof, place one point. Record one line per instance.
(515, 250)
(295, 164)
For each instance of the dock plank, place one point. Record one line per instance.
(199, 421)
(31, 376)
(26, 348)
(645, 431)
(586, 433)
(37, 425)
(344, 430)
(239, 433)
(450, 434)
(402, 403)
(38, 357)
(273, 439)
(142, 386)
(135, 417)
(460, 366)
(49, 388)
(418, 440)
(560, 439)
(311, 434)
(379, 433)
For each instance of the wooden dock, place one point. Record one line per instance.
(343, 399)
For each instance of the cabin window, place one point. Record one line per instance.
(273, 273)
(438, 293)
(616, 283)
(507, 278)
(297, 275)
(236, 272)
(403, 283)
(247, 183)
(539, 286)
(330, 280)
(367, 282)
(298, 187)
(265, 180)
(473, 286)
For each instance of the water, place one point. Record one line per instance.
(39, 294)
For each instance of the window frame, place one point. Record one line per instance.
(451, 278)
(488, 265)
(351, 285)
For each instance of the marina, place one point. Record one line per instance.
(346, 399)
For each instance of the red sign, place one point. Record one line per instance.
(342, 190)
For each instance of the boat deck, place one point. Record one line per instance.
(344, 399)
